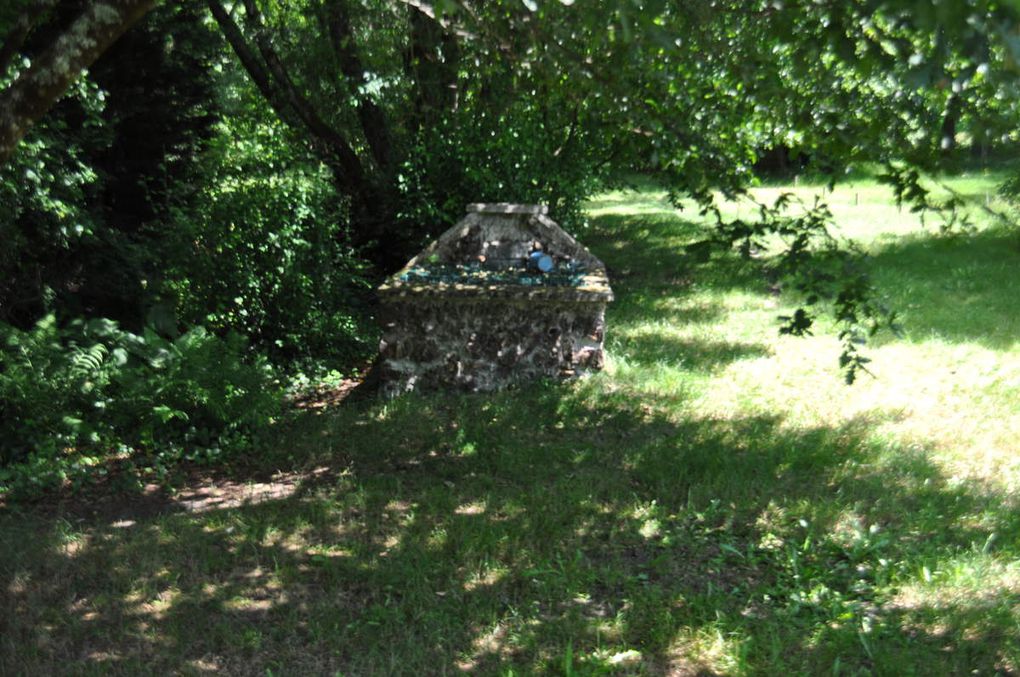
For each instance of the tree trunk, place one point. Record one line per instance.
(366, 181)
(22, 27)
(431, 62)
(374, 125)
(949, 120)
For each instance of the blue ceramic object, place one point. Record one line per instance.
(543, 263)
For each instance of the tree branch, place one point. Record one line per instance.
(36, 90)
(22, 27)
(431, 63)
(292, 108)
(256, 71)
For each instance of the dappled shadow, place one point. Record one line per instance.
(546, 529)
(477, 533)
(956, 288)
(648, 251)
(973, 635)
(655, 280)
(689, 353)
(961, 288)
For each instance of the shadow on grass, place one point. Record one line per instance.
(526, 530)
(963, 288)
(647, 251)
(695, 354)
(959, 288)
(654, 279)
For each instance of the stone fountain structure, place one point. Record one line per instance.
(503, 297)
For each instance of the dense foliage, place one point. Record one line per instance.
(246, 169)
(163, 237)
(72, 398)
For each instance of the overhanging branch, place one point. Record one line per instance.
(36, 90)
(22, 27)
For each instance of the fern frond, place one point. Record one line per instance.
(88, 361)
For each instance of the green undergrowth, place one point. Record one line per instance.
(715, 502)
(91, 402)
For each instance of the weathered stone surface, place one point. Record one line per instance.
(482, 345)
(467, 313)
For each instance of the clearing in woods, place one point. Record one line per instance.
(716, 501)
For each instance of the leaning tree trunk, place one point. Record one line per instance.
(366, 178)
(374, 213)
(949, 120)
(36, 90)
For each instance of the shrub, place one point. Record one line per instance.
(73, 399)
(261, 249)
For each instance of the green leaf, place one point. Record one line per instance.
(166, 414)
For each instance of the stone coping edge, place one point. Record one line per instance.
(506, 208)
(558, 296)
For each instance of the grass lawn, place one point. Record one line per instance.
(715, 502)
